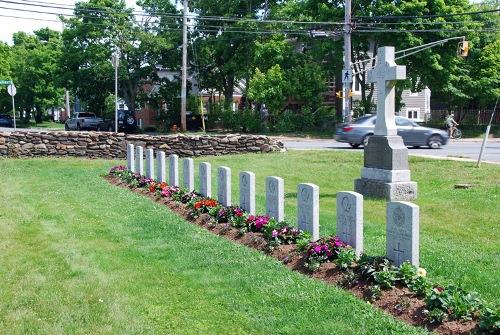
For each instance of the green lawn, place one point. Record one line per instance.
(459, 228)
(80, 256)
(42, 126)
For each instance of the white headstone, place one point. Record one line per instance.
(130, 157)
(139, 160)
(403, 232)
(308, 209)
(275, 198)
(150, 163)
(224, 185)
(247, 191)
(350, 219)
(161, 168)
(188, 174)
(206, 179)
(173, 170)
(384, 74)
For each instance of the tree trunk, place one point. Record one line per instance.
(38, 115)
(229, 90)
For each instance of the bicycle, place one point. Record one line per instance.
(457, 134)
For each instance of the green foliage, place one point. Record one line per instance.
(455, 301)
(489, 321)
(374, 292)
(407, 273)
(101, 28)
(385, 278)
(34, 69)
(346, 257)
(421, 286)
(269, 88)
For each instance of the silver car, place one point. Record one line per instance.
(359, 131)
(80, 121)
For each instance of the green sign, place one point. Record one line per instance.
(5, 82)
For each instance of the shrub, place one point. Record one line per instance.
(346, 257)
(385, 278)
(489, 321)
(454, 301)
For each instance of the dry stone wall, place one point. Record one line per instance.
(111, 145)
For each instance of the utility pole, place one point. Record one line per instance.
(184, 67)
(68, 112)
(347, 79)
(116, 63)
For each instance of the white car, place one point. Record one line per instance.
(83, 121)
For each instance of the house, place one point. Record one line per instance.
(416, 105)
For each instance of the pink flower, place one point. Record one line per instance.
(274, 233)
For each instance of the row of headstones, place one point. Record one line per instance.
(402, 226)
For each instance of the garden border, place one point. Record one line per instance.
(391, 301)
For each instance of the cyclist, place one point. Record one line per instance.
(451, 124)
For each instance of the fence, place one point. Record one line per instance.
(465, 116)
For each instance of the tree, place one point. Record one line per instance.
(270, 89)
(225, 53)
(101, 28)
(34, 71)
(5, 74)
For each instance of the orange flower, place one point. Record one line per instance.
(152, 187)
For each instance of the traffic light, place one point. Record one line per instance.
(463, 49)
(350, 93)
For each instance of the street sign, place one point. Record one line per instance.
(12, 90)
(5, 82)
(346, 76)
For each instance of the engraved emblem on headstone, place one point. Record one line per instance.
(398, 217)
(346, 205)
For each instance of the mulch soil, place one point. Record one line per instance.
(398, 301)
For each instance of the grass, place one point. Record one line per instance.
(459, 228)
(43, 125)
(80, 256)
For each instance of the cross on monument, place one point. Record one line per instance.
(399, 253)
(384, 75)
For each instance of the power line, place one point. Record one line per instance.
(394, 17)
(427, 30)
(168, 15)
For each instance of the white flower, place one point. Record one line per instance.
(421, 272)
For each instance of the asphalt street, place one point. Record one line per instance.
(468, 149)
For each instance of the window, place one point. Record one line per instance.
(403, 122)
(413, 113)
(356, 87)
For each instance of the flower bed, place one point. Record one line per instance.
(404, 291)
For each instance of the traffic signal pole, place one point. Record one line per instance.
(346, 84)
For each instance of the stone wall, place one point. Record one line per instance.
(111, 145)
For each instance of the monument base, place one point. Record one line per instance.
(385, 173)
(391, 191)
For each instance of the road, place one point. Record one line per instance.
(468, 149)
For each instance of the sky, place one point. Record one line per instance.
(8, 26)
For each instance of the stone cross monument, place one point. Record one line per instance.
(385, 173)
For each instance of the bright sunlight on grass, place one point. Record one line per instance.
(80, 256)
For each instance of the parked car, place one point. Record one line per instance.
(6, 121)
(359, 131)
(127, 122)
(83, 121)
